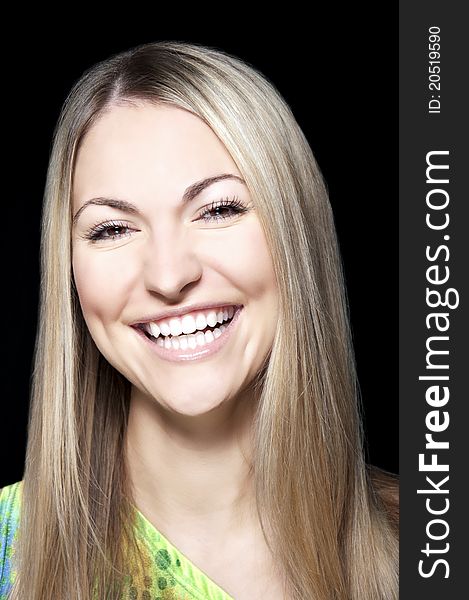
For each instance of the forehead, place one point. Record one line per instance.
(147, 148)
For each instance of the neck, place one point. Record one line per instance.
(192, 472)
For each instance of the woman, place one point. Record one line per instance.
(194, 429)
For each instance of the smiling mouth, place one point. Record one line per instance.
(199, 344)
(161, 340)
(192, 323)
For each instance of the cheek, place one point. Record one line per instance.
(100, 285)
(247, 257)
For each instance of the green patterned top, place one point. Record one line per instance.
(169, 575)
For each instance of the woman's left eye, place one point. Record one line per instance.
(223, 209)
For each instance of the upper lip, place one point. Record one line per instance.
(183, 310)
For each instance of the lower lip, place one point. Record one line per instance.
(198, 353)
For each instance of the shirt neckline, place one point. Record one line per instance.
(184, 571)
(191, 578)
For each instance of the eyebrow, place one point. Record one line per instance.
(189, 194)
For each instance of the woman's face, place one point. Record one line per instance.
(170, 250)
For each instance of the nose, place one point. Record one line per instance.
(170, 263)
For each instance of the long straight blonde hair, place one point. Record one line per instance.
(324, 513)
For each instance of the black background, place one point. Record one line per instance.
(340, 79)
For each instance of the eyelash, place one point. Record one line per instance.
(94, 234)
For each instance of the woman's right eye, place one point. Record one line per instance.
(97, 232)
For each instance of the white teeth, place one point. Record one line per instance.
(212, 318)
(164, 328)
(184, 342)
(175, 326)
(154, 330)
(188, 324)
(200, 321)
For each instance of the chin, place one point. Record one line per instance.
(198, 406)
